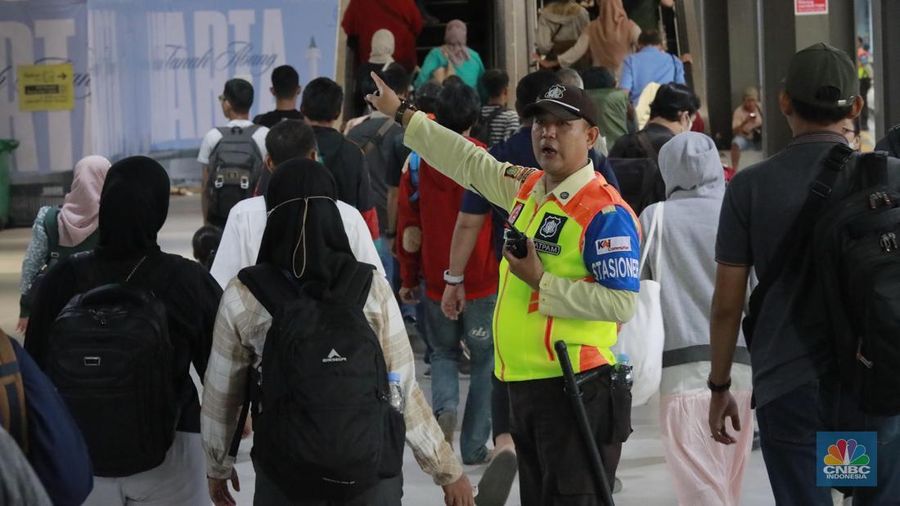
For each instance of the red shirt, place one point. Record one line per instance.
(363, 18)
(435, 213)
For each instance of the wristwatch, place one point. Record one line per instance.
(404, 106)
(452, 280)
(718, 388)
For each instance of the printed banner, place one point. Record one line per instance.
(44, 33)
(159, 67)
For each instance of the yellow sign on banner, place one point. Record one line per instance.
(46, 87)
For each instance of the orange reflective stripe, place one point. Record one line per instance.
(589, 357)
(528, 185)
(547, 333)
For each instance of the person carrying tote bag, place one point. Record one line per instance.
(704, 472)
(642, 338)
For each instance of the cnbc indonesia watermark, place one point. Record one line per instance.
(847, 459)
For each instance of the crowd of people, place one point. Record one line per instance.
(503, 225)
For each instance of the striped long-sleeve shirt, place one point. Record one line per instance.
(238, 339)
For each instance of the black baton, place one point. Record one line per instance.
(573, 389)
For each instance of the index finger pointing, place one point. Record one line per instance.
(378, 82)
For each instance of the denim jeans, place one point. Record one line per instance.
(387, 259)
(787, 431)
(474, 327)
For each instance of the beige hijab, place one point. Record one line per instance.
(612, 35)
(79, 215)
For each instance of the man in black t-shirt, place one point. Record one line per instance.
(796, 384)
(322, 102)
(286, 88)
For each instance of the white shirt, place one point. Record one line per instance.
(212, 138)
(243, 235)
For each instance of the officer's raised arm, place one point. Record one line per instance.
(449, 152)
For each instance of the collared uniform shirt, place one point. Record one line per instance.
(609, 295)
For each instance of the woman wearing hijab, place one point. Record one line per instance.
(681, 258)
(453, 58)
(61, 231)
(134, 204)
(304, 239)
(608, 39)
(380, 58)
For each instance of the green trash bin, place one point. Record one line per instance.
(6, 148)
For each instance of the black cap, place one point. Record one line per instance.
(823, 76)
(566, 103)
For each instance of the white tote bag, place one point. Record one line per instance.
(643, 337)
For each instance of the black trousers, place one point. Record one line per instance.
(554, 467)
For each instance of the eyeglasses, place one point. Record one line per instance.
(221, 98)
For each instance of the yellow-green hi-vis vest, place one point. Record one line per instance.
(523, 337)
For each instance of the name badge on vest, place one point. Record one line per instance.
(547, 236)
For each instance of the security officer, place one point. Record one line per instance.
(578, 280)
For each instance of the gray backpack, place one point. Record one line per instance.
(235, 165)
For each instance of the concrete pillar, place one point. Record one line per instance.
(512, 40)
(776, 33)
(886, 55)
(715, 87)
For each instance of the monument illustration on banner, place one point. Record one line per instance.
(313, 55)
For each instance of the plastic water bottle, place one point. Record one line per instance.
(624, 369)
(396, 391)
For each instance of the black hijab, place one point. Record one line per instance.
(304, 232)
(134, 205)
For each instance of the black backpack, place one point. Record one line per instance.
(324, 427)
(850, 225)
(640, 182)
(482, 129)
(110, 356)
(857, 240)
(235, 166)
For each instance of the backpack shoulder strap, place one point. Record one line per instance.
(894, 140)
(356, 284)
(13, 412)
(268, 284)
(794, 243)
(374, 141)
(51, 227)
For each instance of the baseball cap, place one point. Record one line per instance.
(822, 75)
(566, 103)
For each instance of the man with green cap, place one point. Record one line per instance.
(797, 389)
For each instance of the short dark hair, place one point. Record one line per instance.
(495, 82)
(458, 106)
(239, 93)
(426, 97)
(532, 86)
(322, 100)
(598, 78)
(396, 77)
(285, 82)
(205, 243)
(820, 115)
(671, 99)
(650, 38)
(291, 138)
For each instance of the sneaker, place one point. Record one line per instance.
(495, 484)
(447, 423)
